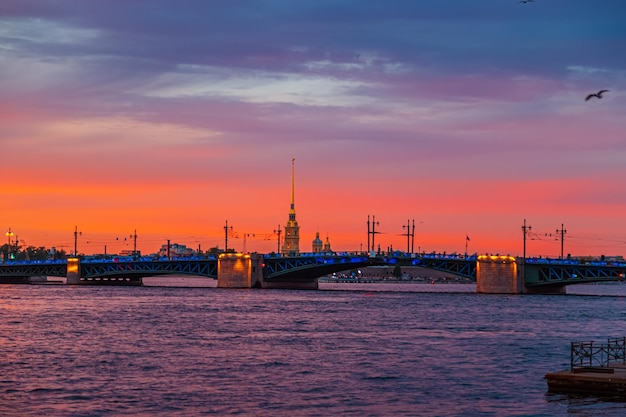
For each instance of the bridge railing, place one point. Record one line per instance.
(592, 355)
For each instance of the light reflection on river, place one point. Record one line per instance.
(614, 289)
(611, 288)
(364, 349)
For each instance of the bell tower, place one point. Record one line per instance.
(291, 245)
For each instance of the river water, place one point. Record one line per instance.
(349, 351)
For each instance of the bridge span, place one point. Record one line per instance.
(493, 274)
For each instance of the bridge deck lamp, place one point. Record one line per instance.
(525, 230)
(9, 234)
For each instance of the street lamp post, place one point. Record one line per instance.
(368, 232)
(226, 231)
(9, 234)
(76, 234)
(245, 245)
(562, 233)
(525, 230)
(372, 232)
(413, 237)
(134, 236)
(410, 235)
(278, 232)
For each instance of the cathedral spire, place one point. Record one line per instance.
(291, 246)
(293, 162)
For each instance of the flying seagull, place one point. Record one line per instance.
(526, 1)
(598, 94)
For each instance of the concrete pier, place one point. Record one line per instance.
(597, 369)
(73, 271)
(497, 274)
(238, 270)
(608, 380)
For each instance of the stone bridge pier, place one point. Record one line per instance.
(238, 270)
(504, 275)
(498, 275)
(73, 271)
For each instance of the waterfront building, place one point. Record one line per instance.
(175, 250)
(291, 245)
(130, 252)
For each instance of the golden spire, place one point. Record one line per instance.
(293, 160)
(291, 244)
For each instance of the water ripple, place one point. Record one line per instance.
(157, 351)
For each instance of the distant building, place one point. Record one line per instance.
(291, 245)
(326, 247)
(317, 243)
(175, 251)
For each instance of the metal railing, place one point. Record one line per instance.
(593, 355)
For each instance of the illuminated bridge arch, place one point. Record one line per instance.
(140, 269)
(559, 273)
(308, 268)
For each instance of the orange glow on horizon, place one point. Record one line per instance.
(107, 195)
(175, 144)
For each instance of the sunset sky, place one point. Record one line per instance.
(172, 117)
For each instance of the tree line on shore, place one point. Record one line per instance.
(30, 253)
